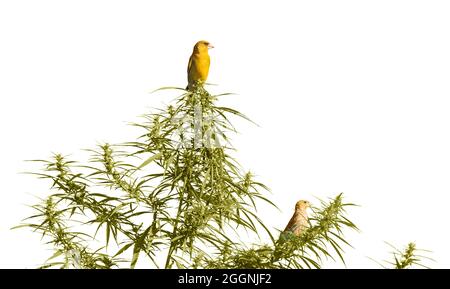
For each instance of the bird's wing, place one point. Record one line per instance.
(189, 69)
(291, 225)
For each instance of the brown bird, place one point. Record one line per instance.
(198, 67)
(299, 221)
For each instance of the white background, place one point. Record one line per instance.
(350, 96)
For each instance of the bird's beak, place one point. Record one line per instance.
(210, 46)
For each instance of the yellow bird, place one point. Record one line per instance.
(198, 67)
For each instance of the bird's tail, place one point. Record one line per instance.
(194, 85)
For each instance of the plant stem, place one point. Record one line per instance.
(172, 245)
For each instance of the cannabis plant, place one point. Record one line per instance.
(176, 197)
(409, 257)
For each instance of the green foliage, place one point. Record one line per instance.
(323, 238)
(408, 258)
(176, 191)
